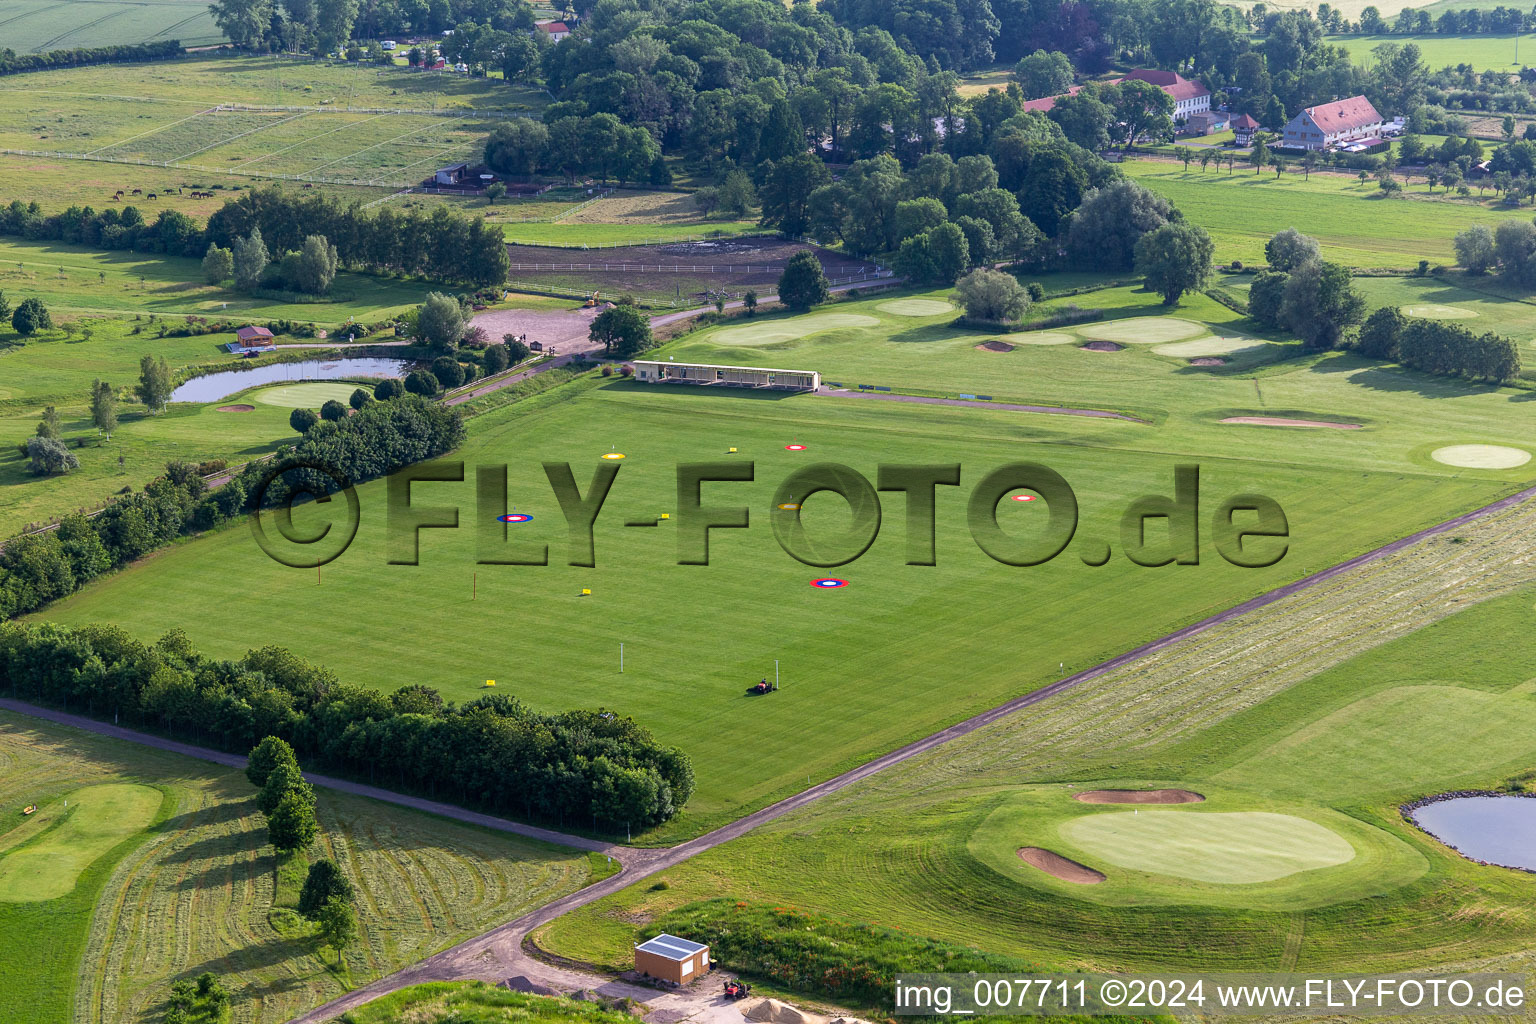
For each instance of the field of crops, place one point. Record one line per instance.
(850, 649)
(195, 892)
(33, 26)
(1333, 705)
(1354, 223)
(1482, 52)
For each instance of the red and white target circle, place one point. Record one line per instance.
(828, 583)
(1023, 497)
(794, 447)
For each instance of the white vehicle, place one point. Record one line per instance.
(462, 69)
(389, 44)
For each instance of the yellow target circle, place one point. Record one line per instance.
(789, 506)
(614, 455)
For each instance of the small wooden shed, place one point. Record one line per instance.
(670, 958)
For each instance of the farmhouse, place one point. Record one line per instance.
(652, 371)
(1188, 97)
(1333, 124)
(1045, 103)
(672, 959)
(451, 175)
(1243, 128)
(556, 30)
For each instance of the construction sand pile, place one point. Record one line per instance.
(771, 1011)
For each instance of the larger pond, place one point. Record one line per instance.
(214, 386)
(1492, 829)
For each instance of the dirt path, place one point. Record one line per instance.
(499, 954)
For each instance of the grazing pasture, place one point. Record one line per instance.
(853, 648)
(173, 877)
(1354, 223)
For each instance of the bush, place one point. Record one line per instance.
(333, 411)
(992, 296)
(30, 317)
(302, 419)
(803, 283)
(49, 456)
(359, 398)
(421, 382)
(384, 390)
(448, 372)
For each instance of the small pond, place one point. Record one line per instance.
(1493, 829)
(215, 386)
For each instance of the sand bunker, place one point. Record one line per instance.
(916, 307)
(1102, 346)
(1057, 866)
(771, 1011)
(1211, 346)
(1435, 311)
(1231, 848)
(1207, 361)
(1042, 338)
(237, 408)
(1281, 421)
(1138, 796)
(1481, 456)
(995, 346)
(771, 332)
(1144, 330)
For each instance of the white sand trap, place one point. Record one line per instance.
(1481, 456)
(771, 332)
(1282, 421)
(1435, 311)
(1143, 330)
(1040, 338)
(916, 307)
(1211, 346)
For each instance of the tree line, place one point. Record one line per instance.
(13, 63)
(1434, 346)
(38, 568)
(173, 232)
(577, 768)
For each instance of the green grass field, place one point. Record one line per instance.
(1482, 52)
(1455, 297)
(34, 26)
(162, 872)
(695, 637)
(475, 1002)
(1301, 728)
(1353, 223)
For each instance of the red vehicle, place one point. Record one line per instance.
(737, 989)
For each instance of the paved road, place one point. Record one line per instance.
(498, 954)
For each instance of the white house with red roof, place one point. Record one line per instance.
(1045, 103)
(1333, 124)
(556, 30)
(1188, 97)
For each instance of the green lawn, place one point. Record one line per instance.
(930, 847)
(695, 637)
(35, 26)
(163, 872)
(475, 1002)
(1354, 224)
(1482, 52)
(74, 278)
(1462, 295)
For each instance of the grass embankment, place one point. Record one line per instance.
(695, 637)
(197, 887)
(475, 1002)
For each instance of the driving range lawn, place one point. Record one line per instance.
(858, 676)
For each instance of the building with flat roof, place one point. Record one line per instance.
(672, 959)
(656, 371)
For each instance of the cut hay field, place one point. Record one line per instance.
(1356, 227)
(858, 679)
(182, 882)
(1482, 52)
(1329, 707)
(34, 26)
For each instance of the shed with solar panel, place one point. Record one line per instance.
(670, 958)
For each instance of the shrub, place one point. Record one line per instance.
(992, 295)
(333, 411)
(30, 317)
(421, 382)
(384, 390)
(302, 419)
(447, 371)
(803, 283)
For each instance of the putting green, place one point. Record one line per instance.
(1233, 848)
(1481, 456)
(1435, 311)
(1143, 330)
(308, 395)
(915, 307)
(1040, 338)
(1211, 346)
(771, 332)
(44, 862)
